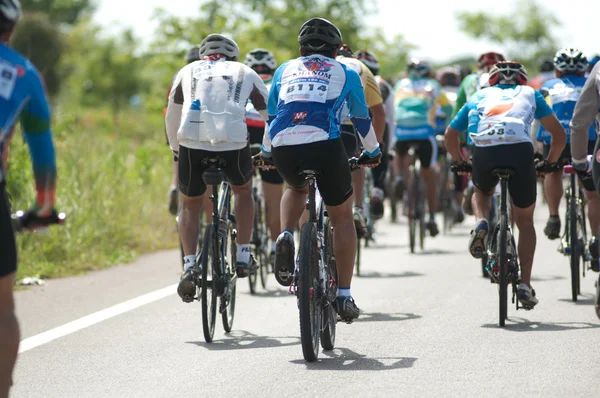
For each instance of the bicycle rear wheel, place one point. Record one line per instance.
(597, 300)
(329, 317)
(503, 263)
(308, 292)
(229, 306)
(574, 243)
(209, 289)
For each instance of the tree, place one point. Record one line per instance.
(40, 41)
(60, 11)
(525, 32)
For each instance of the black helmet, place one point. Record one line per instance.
(10, 13)
(193, 54)
(546, 64)
(346, 51)
(321, 31)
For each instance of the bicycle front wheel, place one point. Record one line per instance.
(574, 243)
(329, 317)
(503, 262)
(209, 288)
(228, 301)
(308, 292)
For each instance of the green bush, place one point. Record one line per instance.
(111, 185)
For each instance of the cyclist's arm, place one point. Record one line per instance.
(35, 123)
(173, 114)
(272, 103)
(389, 109)
(461, 98)
(374, 101)
(548, 119)
(259, 95)
(585, 112)
(360, 113)
(454, 131)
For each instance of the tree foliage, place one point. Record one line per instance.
(60, 11)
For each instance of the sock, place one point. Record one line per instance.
(482, 220)
(188, 262)
(344, 291)
(287, 231)
(554, 216)
(243, 253)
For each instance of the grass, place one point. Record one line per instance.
(112, 186)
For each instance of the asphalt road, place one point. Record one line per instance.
(428, 328)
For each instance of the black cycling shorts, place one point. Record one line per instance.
(350, 140)
(426, 149)
(519, 157)
(565, 158)
(327, 158)
(8, 247)
(238, 168)
(270, 176)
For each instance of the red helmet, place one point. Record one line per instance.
(489, 59)
(508, 72)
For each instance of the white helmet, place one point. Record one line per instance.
(369, 59)
(10, 13)
(570, 60)
(219, 44)
(261, 57)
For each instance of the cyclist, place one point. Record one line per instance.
(469, 86)
(379, 172)
(417, 98)
(190, 56)
(562, 94)
(592, 62)
(263, 62)
(498, 119)
(349, 135)
(305, 102)
(546, 67)
(22, 94)
(206, 117)
(586, 109)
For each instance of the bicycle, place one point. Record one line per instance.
(200, 229)
(573, 241)
(260, 238)
(415, 204)
(369, 236)
(214, 270)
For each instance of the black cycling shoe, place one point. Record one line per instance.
(460, 216)
(187, 287)
(595, 253)
(346, 308)
(284, 259)
(433, 228)
(552, 229)
(399, 187)
(243, 270)
(376, 208)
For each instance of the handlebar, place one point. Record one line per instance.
(569, 169)
(22, 220)
(268, 163)
(462, 167)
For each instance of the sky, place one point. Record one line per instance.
(430, 25)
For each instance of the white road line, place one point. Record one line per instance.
(97, 317)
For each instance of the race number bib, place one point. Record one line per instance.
(8, 79)
(500, 133)
(305, 90)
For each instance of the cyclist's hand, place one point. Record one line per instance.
(175, 156)
(263, 160)
(369, 161)
(543, 167)
(462, 168)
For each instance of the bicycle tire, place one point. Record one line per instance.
(574, 243)
(597, 299)
(209, 290)
(228, 313)
(393, 203)
(358, 253)
(256, 242)
(419, 206)
(308, 291)
(503, 262)
(329, 316)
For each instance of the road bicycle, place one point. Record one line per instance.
(260, 238)
(415, 204)
(370, 223)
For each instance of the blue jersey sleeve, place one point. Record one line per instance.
(461, 120)
(274, 93)
(542, 109)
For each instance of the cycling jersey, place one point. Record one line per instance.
(501, 115)
(416, 102)
(371, 88)
(306, 101)
(253, 117)
(587, 108)
(442, 118)
(388, 102)
(540, 79)
(562, 94)
(207, 105)
(23, 94)
(469, 86)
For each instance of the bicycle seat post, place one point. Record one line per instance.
(311, 176)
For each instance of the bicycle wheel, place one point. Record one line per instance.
(308, 292)
(358, 253)
(597, 300)
(502, 259)
(393, 202)
(574, 243)
(329, 317)
(209, 290)
(229, 304)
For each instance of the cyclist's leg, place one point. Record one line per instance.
(9, 327)
(553, 190)
(351, 145)
(593, 211)
(523, 191)
(484, 162)
(239, 171)
(379, 173)
(427, 152)
(273, 191)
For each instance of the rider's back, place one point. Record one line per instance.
(415, 99)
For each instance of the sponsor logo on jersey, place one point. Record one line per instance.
(500, 109)
(299, 117)
(317, 65)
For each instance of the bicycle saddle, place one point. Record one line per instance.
(213, 175)
(503, 173)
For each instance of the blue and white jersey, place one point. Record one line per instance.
(306, 101)
(501, 115)
(562, 94)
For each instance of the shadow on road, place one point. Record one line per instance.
(406, 274)
(584, 299)
(269, 293)
(545, 278)
(515, 324)
(345, 359)
(428, 252)
(383, 317)
(241, 339)
(387, 246)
